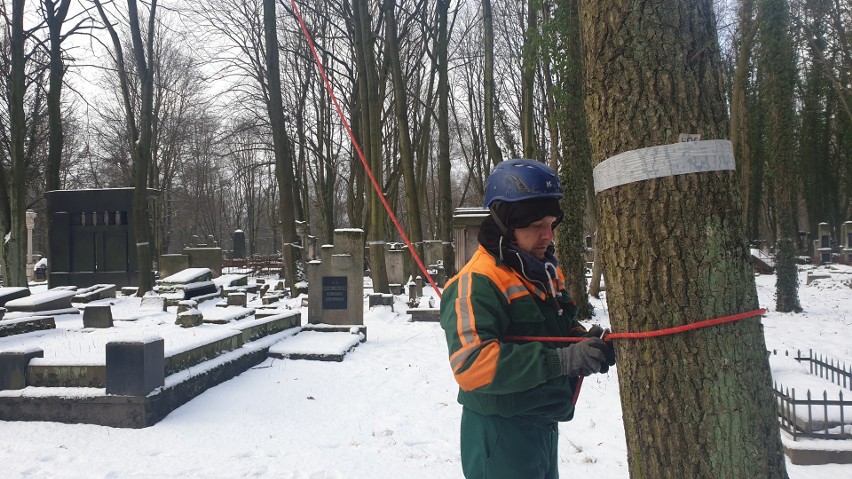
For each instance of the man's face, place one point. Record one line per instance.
(535, 238)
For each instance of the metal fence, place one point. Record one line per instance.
(254, 266)
(815, 417)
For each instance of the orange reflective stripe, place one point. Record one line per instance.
(465, 322)
(482, 371)
(460, 357)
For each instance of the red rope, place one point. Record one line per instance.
(641, 335)
(358, 148)
(647, 334)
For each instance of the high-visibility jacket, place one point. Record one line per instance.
(486, 302)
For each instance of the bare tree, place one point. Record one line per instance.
(140, 135)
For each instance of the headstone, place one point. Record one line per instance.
(172, 263)
(846, 237)
(13, 367)
(395, 266)
(189, 319)
(824, 243)
(97, 316)
(433, 251)
(237, 299)
(466, 224)
(239, 244)
(135, 368)
(205, 257)
(336, 284)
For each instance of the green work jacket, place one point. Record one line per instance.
(483, 309)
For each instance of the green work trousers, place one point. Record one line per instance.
(495, 447)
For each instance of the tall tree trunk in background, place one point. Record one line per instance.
(13, 202)
(777, 85)
(145, 70)
(494, 153)
(55, 17)
(696, 404)
(444, 181)
(568, 116)
(820, 189)
(281, 145)
(529, 61)
(739, 117)
(371, 135)
(406, 152)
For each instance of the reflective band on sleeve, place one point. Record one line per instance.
(664, 160)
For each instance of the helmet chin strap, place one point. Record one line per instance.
(503, 229)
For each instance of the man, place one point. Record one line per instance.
(515, 392)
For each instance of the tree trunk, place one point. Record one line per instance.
(488, 77)
(13, 208)
(530, 59)
(570, 139)
(444, 181)
(371, 140)
(777, 88)
(406, 151)
(141, 222)
(696, 404)
(739, 114)
(281, 146)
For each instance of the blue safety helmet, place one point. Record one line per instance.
(521, 179)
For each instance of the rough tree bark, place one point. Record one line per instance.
(695, 404)
(281, 146)
(494, 153)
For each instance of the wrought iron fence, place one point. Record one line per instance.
(815, 417)
(254, 266)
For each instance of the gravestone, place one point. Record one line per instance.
(136, 367)
(394, 262)
(239, 251)
(824, 238)
(336, 282)
(846, 237)
(91, 237)
(205, 256)
(433, 252)
(13, 367)
(97, 316)
(466, 224)
(172, 263)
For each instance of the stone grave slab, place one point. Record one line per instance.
(9, 293)
(316, 345)
(94, 293)
(53, 301)
(432, 315)
(10, 327)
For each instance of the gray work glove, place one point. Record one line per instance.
(598, 332)
(584, 358)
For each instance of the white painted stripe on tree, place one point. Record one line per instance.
(664, 160)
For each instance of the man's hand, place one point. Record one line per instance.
(598, 332)
(584, 358)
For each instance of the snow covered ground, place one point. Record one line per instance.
(387, 411)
